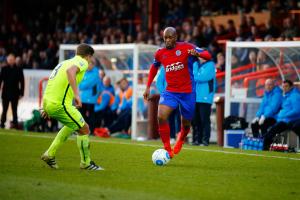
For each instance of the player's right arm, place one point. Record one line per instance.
(199, 52)
(152, 73)
(71, 74)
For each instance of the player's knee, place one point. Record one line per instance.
(162, 119)
(85, 130)
(185, 122)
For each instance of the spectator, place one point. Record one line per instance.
(2, 57)
(205, 79)
(263, 61)
(220, 65)
(231, 30)
(89, 90)
(269, 107)
(123, 121)
(209, 30)
(289, 112)
(290, 30)
(12, 84)
(104, 113)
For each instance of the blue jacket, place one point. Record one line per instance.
(205, 81)
(290, 107)
(271, 103)
(116, 103)
(126, 104)
(89, 86)
(121, 103)
(161, 83)
(107, 99)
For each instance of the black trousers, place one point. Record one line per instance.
(260, 130)
(201, 123)
(88, 113)
(122, 123)
(105, 118)
(295, 126)
(276, 129)
(14, 107)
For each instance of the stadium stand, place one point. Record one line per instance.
(35, 34)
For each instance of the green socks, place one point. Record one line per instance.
(83, 144)
(59, 140)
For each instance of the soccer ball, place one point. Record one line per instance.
(160, 157)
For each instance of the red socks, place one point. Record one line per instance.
(164, 131)
(184, 131)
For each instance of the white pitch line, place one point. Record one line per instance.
(152, 145)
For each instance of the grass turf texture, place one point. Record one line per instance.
(196, 173)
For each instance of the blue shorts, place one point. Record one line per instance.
(185, 101)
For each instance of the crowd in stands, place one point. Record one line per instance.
(34, 37)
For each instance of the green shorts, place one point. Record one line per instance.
(65, 114)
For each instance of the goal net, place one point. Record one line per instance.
(131, 61)
(248, 65)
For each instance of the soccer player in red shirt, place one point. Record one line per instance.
(177, 58)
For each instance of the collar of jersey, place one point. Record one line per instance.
(81, 59)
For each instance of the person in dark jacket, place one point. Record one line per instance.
(12, 87)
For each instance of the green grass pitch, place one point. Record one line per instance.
(196, 173)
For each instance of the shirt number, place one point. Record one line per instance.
(54, 72)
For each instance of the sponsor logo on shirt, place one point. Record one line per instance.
(178, 53)
(174, 67)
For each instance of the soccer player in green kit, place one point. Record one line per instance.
(61, 100)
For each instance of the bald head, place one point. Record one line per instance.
(106, 81)
(170, 31)
(269, 84)
(170, 37)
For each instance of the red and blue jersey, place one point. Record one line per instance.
(178, 66)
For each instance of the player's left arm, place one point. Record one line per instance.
(199, 52)
(71, 74)
(152, 73)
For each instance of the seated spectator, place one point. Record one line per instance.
(269, 107)
(123, 121)
(289, 112)
(103, 111)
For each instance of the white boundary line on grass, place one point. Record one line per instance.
(152, 145)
